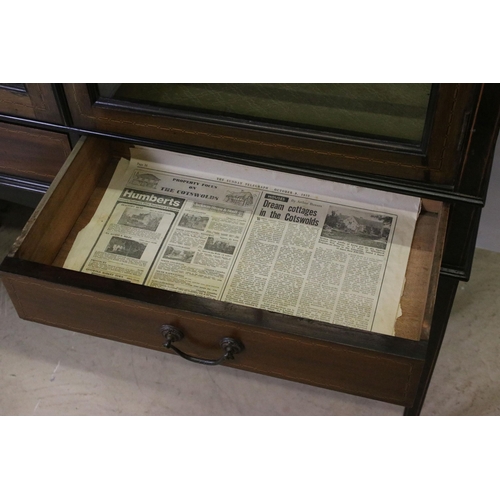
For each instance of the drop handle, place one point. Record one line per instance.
(229, 345)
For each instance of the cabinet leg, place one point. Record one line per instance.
(412, 411)
(445, 296)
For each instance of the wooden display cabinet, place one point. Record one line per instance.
(446, 163)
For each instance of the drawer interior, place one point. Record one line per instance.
(78, 188)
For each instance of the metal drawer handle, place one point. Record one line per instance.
(231, 346)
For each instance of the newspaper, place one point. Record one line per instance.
(261, 238)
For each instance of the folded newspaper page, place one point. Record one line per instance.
(261, 238)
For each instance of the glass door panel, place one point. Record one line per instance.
(395, 112)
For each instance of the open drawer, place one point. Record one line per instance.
(304, 350)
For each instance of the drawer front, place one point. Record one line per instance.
(31, 153)
(325, 364)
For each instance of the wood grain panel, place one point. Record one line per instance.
(37, 101)
(13, 102)
(422, 274)
(31, 153)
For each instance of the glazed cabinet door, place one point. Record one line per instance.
(413, 132)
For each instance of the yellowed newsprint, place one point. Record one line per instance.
(261, 238)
